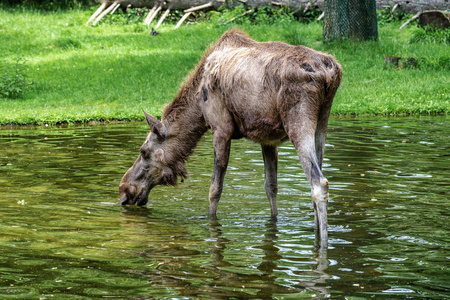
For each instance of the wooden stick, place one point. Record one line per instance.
(97, 12)
(198, 7)
(115, 8)
(166, 13)
(410, 20)
(150, 14)
(321, 17)
(104, 13)
(154, 15)
(394, 8)
(182, 20)
(232, 19)
(308, 6)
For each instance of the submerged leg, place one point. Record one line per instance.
(303, 136)
(320, 200)
(270, 155)
(319, 188)
(320, 138)
(222, 144)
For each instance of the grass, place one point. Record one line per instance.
(78, 73)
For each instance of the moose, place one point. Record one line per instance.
(268, 92)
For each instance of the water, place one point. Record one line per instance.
(63, 234)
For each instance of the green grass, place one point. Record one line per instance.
(109, 72)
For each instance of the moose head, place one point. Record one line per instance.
(155, 165)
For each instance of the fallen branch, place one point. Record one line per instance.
(394, 8)
(308, 6)
(198, 7)
(115, 8)
(150, 14)
(154, 15)
(105, 12)
(245, 13)
(182, 20)
(321, 17)
(162, 18)
(410, 20)
(97, 12)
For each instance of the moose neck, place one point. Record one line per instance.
(184, 120)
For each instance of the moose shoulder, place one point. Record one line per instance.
(268, 92)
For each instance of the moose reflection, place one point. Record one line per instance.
(207, 266)
(267, 92)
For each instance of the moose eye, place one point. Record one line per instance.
(142, 151)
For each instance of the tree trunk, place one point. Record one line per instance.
(350, 19)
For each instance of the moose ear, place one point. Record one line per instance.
(156, 126)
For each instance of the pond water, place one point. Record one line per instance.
(64, 235)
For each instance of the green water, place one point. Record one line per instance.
(63, 234)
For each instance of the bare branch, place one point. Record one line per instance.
(182, 20)
(166, 13)
(154, 15)
(97, 12)
(105, 12)
(198, 7)
(245, 13)
(410, 20)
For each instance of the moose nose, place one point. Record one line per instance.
(126, 192)
(123, 195)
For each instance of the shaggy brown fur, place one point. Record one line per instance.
(268, 92)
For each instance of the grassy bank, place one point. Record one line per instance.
(76, 73)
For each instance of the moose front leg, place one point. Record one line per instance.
(270, 155)
(222, 144)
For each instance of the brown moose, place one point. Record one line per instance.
(267, 92)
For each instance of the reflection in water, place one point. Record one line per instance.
(63, 234)
(264, 283)
(217, 277)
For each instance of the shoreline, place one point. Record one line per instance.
(124, 122)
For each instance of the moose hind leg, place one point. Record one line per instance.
(302, 135)
(319, 192)
(321, 203)
(270, 155)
